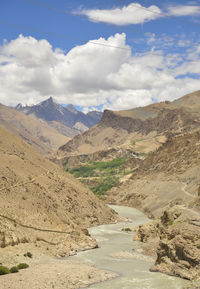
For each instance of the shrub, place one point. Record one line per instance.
(14, 269)
(3, 270)
(126, 229)
(84, 158)
(28, 254)
(22, 266)
(133, 142)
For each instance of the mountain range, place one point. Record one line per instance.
(68, 120)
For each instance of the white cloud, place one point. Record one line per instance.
(134, 13)
(183, 10)
(92, 75)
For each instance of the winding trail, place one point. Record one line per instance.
(31, 227)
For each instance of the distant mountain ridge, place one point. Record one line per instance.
(50, 111)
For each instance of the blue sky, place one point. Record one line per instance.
(142, 51)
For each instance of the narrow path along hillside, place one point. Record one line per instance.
(40, 203)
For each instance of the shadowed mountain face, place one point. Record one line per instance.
(51, 111)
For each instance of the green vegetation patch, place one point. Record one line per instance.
(113, 164)
(84, 172)
(4, 270)
(100, 176)
(97, 168)
(28, 254)
(14, 269)
(126, 230)
(84, 158)
(104, 185)
(22, 266)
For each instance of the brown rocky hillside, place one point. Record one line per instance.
(34, 131)
(169, 176)
(141, 129)
(166, 186)
(41, 205)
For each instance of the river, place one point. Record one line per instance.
(134, 273)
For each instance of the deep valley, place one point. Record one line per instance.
(146, 158)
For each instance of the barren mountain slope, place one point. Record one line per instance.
(142, 129)
(169, 176)
(41, 204)
(63, 129)
(34, 131)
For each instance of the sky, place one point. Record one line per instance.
(98, 54)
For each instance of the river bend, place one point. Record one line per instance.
(134, 273)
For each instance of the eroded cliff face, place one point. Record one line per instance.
(174, 237)
(167, 120)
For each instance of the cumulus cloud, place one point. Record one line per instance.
(183, 10)
(93, 75)
(134, 13)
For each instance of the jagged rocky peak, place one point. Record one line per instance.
(71, 108)
(51, 106)
(50, 110)
(94, 114)
(19, 106)
(47, 102)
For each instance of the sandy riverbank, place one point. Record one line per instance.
(48, 272)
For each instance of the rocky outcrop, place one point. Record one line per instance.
(175, 238)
